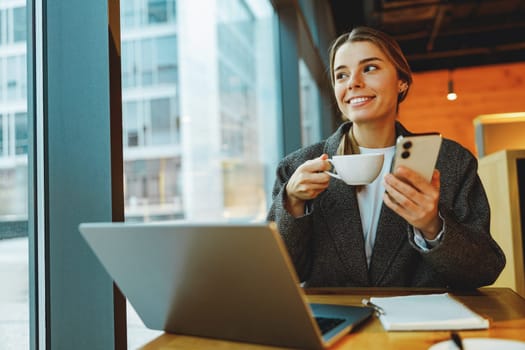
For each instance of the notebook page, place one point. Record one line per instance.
(427, 312)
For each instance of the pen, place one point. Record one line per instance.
(457, 340)
(378, 309)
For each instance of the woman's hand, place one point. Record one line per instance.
(306, 183)
(414, 199)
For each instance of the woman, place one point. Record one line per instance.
(400, 230)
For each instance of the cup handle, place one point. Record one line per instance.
(337, 176)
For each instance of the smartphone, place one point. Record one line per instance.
(418, 152)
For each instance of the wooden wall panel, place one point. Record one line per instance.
(481, 90)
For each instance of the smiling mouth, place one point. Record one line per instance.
(359, 100)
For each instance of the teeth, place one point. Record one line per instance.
(358, 100)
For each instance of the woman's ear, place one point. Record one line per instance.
(402, 91)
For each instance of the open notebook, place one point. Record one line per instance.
(218, 280)
(427, 312)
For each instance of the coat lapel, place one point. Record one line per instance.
(340, 209)
(390, 237)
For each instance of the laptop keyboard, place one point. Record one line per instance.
(326, 324)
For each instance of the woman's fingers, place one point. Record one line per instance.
(413, 198)
(309, 179)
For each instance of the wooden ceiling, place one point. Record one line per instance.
(440, 34)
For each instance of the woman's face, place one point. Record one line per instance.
(366, 83)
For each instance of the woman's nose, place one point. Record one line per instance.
(355, 80)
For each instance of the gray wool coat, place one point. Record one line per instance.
(327, 245)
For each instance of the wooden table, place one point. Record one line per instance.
(503, 307)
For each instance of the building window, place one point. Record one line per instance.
(2, 136)
(166, 59)
(21, 136)
(13, 81)
(310, 106)
(19, 24)
(162, 122)
(161, 11)
(2, 29)
(149, 61)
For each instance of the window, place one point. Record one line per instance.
(13, 129)
(130, 124)
(166, 59)
(14, 270)
(127, 14)
(162, 122)
(147, 62)
(14, 83)
(161, 11)
(2, 137)
(199, 106)
(19, 24)
(13, 23)
(21, 140)
(310, 109)
(129, 65)
(2, 30)
(157, 11)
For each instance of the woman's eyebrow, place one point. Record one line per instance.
(370, 59)
(363, 61)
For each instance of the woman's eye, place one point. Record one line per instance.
(340, 76)
(370, 68)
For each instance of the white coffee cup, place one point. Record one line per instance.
(357, 169)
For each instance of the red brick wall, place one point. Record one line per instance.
(481, 90)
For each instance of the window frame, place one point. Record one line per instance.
(75, 157)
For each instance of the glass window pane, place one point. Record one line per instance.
(2, 138)
(161, 11)
(14, 267)
(130, 124)
(23, 77)
(167, 59)
(16, 77)
(128, 64)
(12, 77)
(206, 106)
(2, 30)
(171, 10)
(21, 140)
(127, 14)
(19, 25)
(3, 82)
(147, 62)
(157, 11)
(161, 121)
(310, 109)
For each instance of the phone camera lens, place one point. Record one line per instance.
(407, 145)
(405, 154)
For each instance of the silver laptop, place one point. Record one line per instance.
(218, 280)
